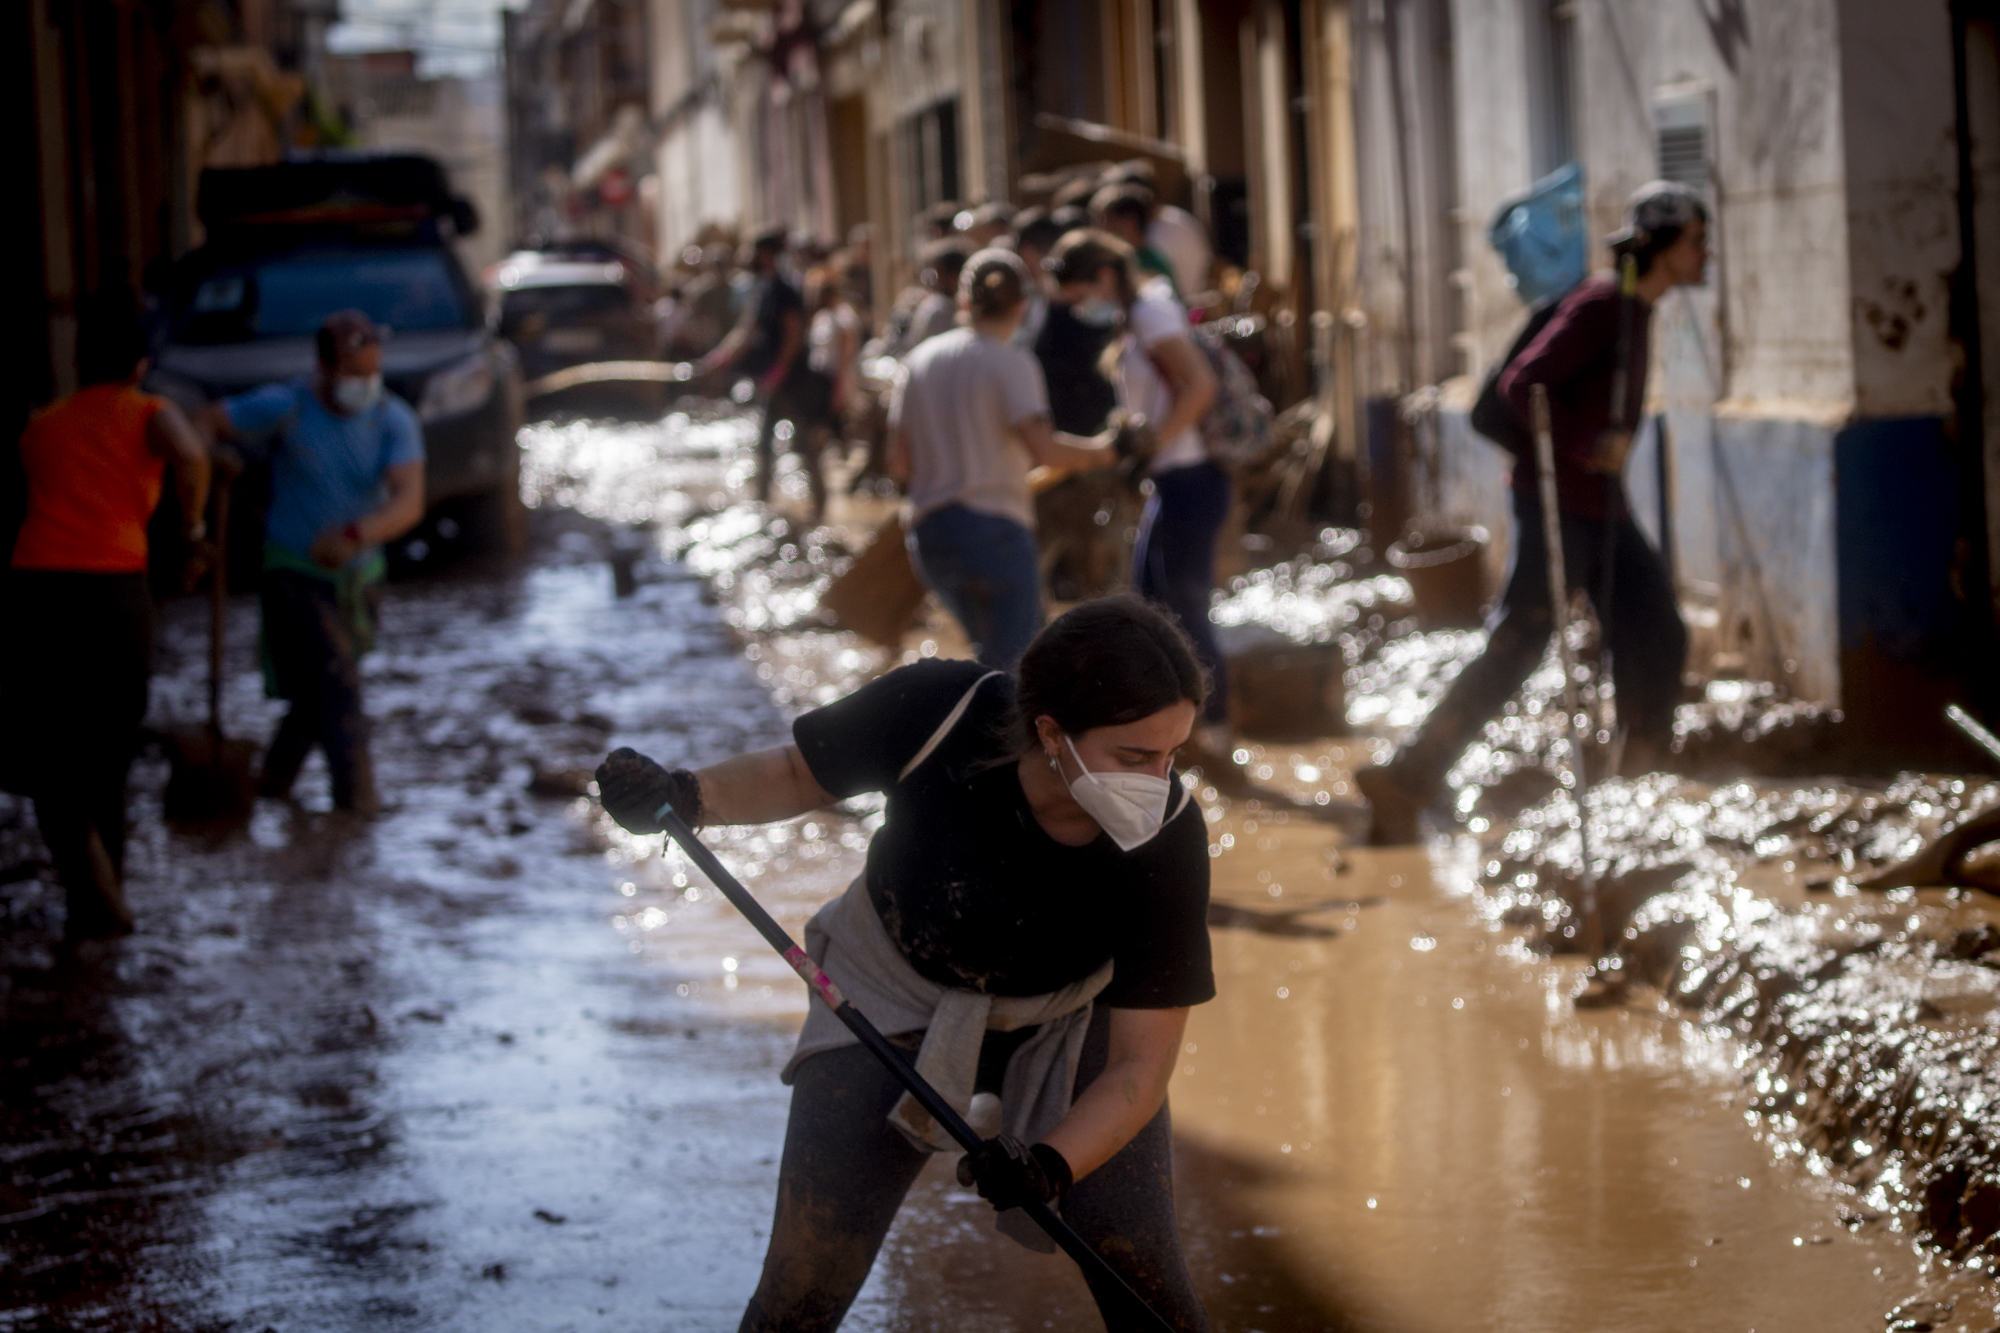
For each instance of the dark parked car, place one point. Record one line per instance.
(291, 243)
(562, 312)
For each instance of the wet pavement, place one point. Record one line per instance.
(489, 1063)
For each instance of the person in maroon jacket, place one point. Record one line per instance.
(1577, 357)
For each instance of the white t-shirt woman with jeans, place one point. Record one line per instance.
(968, 422)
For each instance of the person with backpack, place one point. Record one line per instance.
(1590, 352)
(1166, 379)
(1032, 924)
(347, 474)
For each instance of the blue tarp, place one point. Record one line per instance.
(1540, 235)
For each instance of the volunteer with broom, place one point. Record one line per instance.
(968, 422)
(1032, 923)
(79, 617)
(1591, 357)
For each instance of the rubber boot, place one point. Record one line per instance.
(1393, 806)
(97, 906)
(354, 790)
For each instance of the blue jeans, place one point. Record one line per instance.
(1174, 562)
(987, 572)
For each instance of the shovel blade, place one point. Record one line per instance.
(212, 779)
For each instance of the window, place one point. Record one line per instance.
(931, 140)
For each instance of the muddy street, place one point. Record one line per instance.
(488, 1062)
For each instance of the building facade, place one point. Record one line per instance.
(125, 102)
(1821, 453)
(1819, 457)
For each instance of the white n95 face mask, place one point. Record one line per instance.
(1131, 807)
(1097, 311)
(357, 393)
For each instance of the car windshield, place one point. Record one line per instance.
(597, 298)
(287, 296)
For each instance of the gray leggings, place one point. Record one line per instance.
(845, 1172)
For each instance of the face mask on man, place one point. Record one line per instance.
(356, 393)
(1099, 312)
(1131, 807)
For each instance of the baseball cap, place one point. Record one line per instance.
(346, 331)
(1654, 207)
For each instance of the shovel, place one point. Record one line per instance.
(211, 779)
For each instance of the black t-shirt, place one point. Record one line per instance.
(1080, 398)
(972, 889)
(774, 298)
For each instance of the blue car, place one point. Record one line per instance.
(291, 243)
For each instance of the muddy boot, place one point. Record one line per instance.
(1642, 755)
(1393, 806)
(97, 906)
(354, 790)
(1603, 990)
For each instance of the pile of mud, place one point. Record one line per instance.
(1869, 1023)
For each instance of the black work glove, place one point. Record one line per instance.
(633, 788)
(1010, 1174)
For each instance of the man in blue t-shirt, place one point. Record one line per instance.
(347, 474)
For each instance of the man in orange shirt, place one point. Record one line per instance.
(79, 642)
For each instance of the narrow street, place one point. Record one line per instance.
(489, 1063)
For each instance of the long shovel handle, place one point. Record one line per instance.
(1059, 1231)
(1977, 734)
(1589, 926)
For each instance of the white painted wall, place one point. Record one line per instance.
(1490, 58)
(698, 185)
(695, 151)
(1901, 203)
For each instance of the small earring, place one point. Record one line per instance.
(1054, 767)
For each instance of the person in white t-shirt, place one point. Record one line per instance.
(969, 420)
(1164, 379)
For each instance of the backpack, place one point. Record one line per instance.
(1237, 426)
(1491, 415)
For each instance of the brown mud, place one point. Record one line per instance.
(490, 1063)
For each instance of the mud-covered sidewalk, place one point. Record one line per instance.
(487, 1063)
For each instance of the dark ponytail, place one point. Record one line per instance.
(1103, 663)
